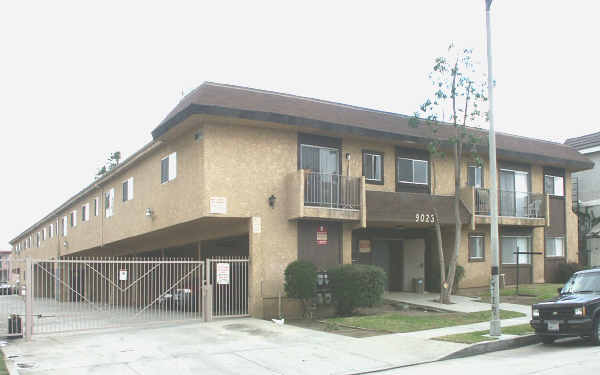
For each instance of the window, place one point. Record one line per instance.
(373, 167)
(412, 171)
(168, 168)
(44, 232)
(554, 185)
(96, 206)
(512, 244)
(38, 239)
(64, 226)
(51, 230)
(555, 247)
(128, 190)
(74, 218)
(85, 212)
(476, 247)
(474, 176)
(109, 202)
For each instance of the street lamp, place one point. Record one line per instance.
(495, 283)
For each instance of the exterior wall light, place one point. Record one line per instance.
(272, 199)
(65, 244)
(149, 212)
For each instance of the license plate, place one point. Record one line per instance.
(552, 325)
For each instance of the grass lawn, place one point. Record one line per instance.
(528, 293)
(3, 370)
(479, 336)
(397, 323)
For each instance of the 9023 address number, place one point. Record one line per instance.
(424, 218)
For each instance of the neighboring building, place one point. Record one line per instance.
(586, 198)
(4, 268)
(238, 171)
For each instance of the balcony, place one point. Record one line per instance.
(514, 208)
(326, 197)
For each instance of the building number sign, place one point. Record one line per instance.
(424, 218)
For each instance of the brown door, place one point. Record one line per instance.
(396, 266)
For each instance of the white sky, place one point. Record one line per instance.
(78, 81)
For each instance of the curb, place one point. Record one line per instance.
(11, 366)
(493, 346)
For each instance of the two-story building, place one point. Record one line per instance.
(276, 177)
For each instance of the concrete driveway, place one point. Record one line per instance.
(248, 346)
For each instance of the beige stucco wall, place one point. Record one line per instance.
(571, 223)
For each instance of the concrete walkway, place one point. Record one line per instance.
(248, 346)
(459, 303)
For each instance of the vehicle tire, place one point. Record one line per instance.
(548, 340)
(596, 331)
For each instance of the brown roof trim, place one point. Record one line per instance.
(239, 102)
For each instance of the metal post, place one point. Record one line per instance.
(28, 298)
(495, 287)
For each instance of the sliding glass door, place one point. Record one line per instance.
(322, 165)
(514, 193)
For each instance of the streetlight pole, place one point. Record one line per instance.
(495, 284)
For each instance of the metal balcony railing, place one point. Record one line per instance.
(331, 190)
(510, 203)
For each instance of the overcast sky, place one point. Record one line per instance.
(78, 81)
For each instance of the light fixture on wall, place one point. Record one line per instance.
(65, 244)
(348, 156)
(272, 200)
(149, 212)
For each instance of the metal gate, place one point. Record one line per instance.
(90, 293)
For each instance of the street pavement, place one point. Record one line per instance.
(564, 357)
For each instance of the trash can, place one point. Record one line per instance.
(419, 286)
(15, 325)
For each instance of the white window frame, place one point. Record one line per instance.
(554, 184)
(109, 211)
(38, 240)
(375, 157)
(51, 230)
(476, 167)
(65, 225)
(74, 220)
(44, 233)
(129, 183)
(477, 235)
(413, 172)
(86, 216)
(96, 206)
(172, 163)
(554, 238)
(529, 245)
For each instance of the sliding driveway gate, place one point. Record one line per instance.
(47, 296)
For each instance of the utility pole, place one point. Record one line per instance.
(495, 283)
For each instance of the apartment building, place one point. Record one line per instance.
(236, 171)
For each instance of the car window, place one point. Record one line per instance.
(585, 282)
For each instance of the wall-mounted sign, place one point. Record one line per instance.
(424, 218)
(322, 235)
(256, 224)
(223, 273)
(218, 205)
(364, 246)
(123, 275)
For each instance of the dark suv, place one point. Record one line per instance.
(575, 312)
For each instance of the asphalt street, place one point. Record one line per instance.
(567, 356)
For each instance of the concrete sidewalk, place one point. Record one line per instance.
(248, 346)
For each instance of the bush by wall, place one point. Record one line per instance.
(301, 281)
(356, 285)
(565, 270)
(458, 276)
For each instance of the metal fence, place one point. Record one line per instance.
(332, 190)
(510, 203)
(48, 296)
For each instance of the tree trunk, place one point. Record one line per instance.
(444, 295)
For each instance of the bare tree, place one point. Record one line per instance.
(459, 94)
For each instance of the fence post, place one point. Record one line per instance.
(28, 298)
(207, 293)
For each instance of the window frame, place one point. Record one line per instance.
(529, 244)
(398, 181)
(554, 177)
(109, 202)
(65, 226)
(127, 190)
(171, 168)
(96, 206)
(374, 154)
(475, 174)
(73, 218)
(482, 257)
(51, 230)
(546, 247)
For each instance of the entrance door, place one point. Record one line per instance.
(382, 258)
(414, 262)
(397, 264)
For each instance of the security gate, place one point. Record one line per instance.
(91, 293)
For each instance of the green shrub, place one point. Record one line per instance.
(301, 281)
(565, 270)
(356, 285)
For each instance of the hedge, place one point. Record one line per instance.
(356, 285)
